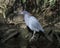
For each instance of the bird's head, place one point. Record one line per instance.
(23, 12)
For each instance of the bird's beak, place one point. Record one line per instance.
(20, 12)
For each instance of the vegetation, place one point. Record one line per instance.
(13, 31)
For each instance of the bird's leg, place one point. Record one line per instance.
(33, 36)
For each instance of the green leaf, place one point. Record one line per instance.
(52, 2)
(37, 1)
(24, 1)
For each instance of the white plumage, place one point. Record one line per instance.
(32, 22)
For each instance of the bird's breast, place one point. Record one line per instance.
(26, 19)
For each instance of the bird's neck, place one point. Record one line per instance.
(27, 16)
(26, 19)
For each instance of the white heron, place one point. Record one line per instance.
(32, 23)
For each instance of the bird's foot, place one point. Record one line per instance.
(33, 38)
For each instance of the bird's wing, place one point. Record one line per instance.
(34, 24)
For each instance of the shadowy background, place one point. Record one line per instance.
(13, 31)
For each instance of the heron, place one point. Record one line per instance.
(32, 23)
